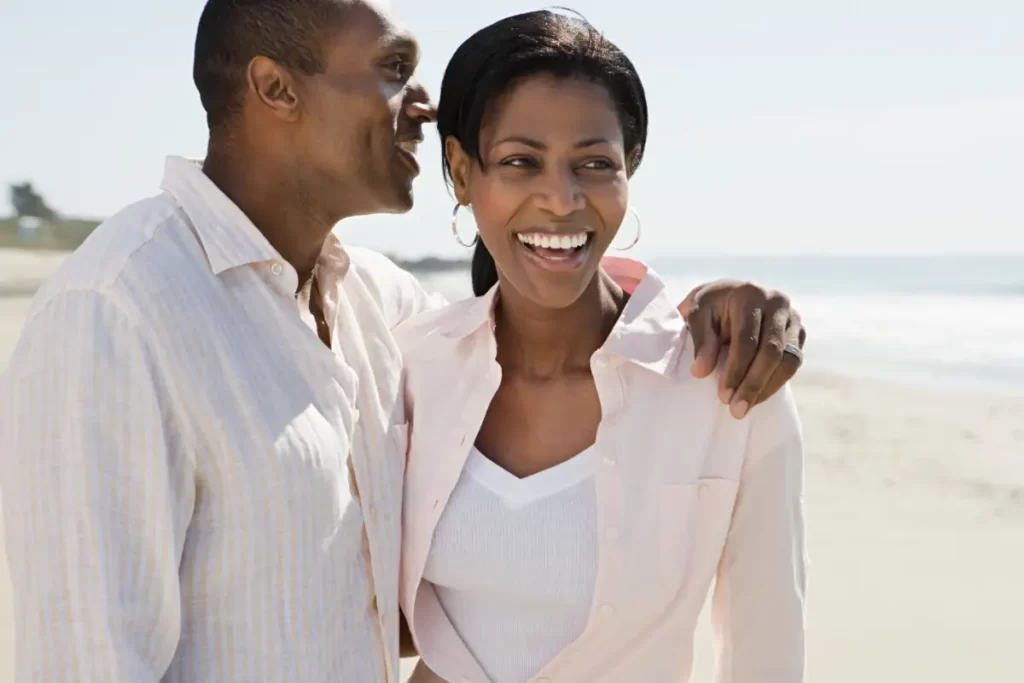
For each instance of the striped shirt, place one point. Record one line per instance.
(195, 487)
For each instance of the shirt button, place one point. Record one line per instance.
(607, 611)
(609, 461)
(611, 533)
(277, 269)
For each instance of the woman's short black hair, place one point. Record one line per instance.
(496, 58)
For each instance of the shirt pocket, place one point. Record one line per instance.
(693, 523)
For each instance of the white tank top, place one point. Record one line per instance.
(514, 562)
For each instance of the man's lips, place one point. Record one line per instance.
(407, 153)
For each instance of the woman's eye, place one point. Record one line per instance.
(599, 165)
(519, 162)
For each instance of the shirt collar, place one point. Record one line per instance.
(228, 237)
(650, 332)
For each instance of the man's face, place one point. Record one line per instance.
(363, 117)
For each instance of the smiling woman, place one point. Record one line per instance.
(571, 530)
(541, 141)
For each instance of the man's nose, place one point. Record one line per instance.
(419, 107)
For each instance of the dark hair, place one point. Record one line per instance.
(232, 33)
(494, 59)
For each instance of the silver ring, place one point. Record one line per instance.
(794, 350)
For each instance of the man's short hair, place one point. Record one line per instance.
(233, 32)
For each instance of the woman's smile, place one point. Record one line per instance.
(556, 251)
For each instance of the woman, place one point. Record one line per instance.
(565, 531)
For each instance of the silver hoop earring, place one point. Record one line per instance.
(455, 228)
(635, 239)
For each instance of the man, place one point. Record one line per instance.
(200, 440)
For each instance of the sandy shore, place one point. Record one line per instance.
(916, 521)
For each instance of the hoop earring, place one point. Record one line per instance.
(455, 228)
(635, 239)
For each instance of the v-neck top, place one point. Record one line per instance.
(514, 561)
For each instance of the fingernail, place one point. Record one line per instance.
(727, 395)
(739, 411)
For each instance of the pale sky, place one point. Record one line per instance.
(790, 126)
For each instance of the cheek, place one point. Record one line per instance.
(495, 205)
(391, 92)
(611, 202)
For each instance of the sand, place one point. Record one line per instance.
(915, 503)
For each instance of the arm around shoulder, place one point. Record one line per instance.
(97, 497)
(758, 604)
(402, 295)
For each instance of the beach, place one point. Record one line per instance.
(915, 509)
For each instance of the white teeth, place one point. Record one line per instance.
(547, 241)
(409, 146)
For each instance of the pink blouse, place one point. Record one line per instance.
(687, 497)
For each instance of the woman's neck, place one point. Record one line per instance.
(544, 343)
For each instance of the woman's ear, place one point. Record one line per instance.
(459, 163)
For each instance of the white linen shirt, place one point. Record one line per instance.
(195, 488)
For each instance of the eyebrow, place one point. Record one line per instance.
(537, 144)
(401, 42)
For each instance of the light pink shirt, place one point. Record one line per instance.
(686, 495)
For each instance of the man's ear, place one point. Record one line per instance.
(274, 87)
(459, 163)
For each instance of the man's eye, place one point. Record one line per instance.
(399, 67)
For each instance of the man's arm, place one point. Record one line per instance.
(758, 604)
(759, 328)
(96, 499)
(415, 298)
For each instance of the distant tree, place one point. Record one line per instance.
(27, 202)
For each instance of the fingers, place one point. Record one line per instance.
(762, 378)
(755, 324)
(707, 343)
(700, 310)
(743, 343)
(795, 332)
(689, 305)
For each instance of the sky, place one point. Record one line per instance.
(783, 127)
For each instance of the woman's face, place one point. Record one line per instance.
(552, 190)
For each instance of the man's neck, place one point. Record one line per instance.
(542, 343)
(275, 203)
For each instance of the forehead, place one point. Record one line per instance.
(548, 107)
(368, 28)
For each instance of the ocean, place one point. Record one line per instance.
(940, 321)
